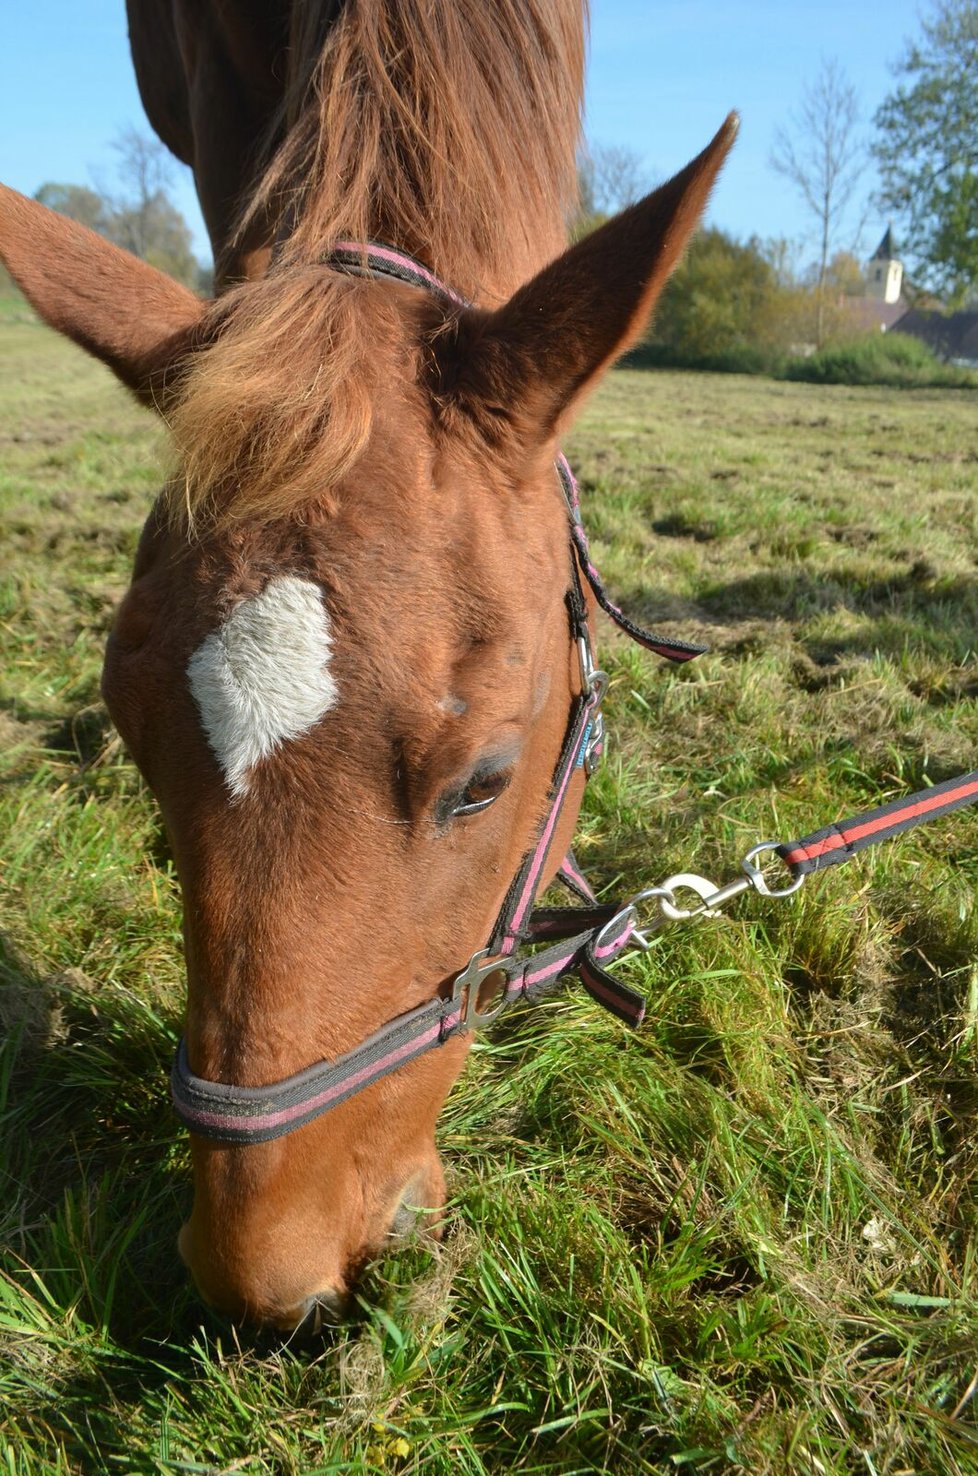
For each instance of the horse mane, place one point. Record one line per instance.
(445, 129)
(448, 130)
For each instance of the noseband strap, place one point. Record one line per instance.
(571, 940)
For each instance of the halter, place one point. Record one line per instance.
(576, 940)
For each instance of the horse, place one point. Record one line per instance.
(344, 665)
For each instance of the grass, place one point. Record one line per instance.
(743, 1239)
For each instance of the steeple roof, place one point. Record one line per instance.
(885, 251)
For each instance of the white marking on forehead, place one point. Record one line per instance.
(453, 705)
(263, 678)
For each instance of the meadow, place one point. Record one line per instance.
(742, 1239)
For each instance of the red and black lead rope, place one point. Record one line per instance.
(837, 842)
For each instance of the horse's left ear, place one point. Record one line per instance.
(134, 318)
(528, 364)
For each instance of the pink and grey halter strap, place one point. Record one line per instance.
(576, 940)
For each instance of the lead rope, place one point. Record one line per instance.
(821, 849)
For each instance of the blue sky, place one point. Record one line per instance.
(663, 74)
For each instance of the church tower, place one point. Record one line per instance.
(884, 274)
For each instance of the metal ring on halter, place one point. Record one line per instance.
(639, 936)
(756, 877)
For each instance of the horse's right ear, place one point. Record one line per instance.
(522, 371)
(134, 318)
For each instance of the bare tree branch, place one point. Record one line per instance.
(821, 154)
(609, 178)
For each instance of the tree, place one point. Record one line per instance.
(145, 170)
(141, 217)
(155, 230)
(723, 298)
(782, 255)
(78, 202)
(609, 178)
(844, 275)
(926, 147)
(822, 156)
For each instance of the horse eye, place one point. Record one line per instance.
(481, 791)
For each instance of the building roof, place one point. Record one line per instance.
(951, 336)
(868, 313)
(885, 251)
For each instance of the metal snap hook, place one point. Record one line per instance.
(706, 890)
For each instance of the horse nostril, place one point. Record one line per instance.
(418, 1210)
(323, 1309)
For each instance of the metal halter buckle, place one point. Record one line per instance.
(594, 684)
(468, 984)
(593, 679)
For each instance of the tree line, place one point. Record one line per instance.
(925, 146)
(137, 212)
(732, 298)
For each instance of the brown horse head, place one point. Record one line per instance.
(344, 669)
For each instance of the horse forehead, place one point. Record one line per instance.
(417, 590)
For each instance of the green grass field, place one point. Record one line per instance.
(743, 1239)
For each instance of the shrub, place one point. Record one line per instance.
(737, 358)
(879, 358)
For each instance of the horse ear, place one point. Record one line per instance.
(528, 364)
(134, 318)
